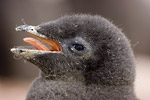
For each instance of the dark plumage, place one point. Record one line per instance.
(96, 61)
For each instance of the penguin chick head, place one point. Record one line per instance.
(86, 48)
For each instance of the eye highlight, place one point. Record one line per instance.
(78, 47)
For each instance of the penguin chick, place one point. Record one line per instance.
(85, 58)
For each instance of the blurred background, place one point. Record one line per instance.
(16, 75)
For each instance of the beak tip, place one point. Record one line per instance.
(12, 50)
(16, 29)
(20, 28)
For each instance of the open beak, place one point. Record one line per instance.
(54, 47)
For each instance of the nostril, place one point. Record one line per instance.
(20, 51)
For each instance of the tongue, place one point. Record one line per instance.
(36, 43)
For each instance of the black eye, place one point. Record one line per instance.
(78, 47)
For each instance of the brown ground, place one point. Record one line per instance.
(16, 90)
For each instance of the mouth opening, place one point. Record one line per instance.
(53, 45)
